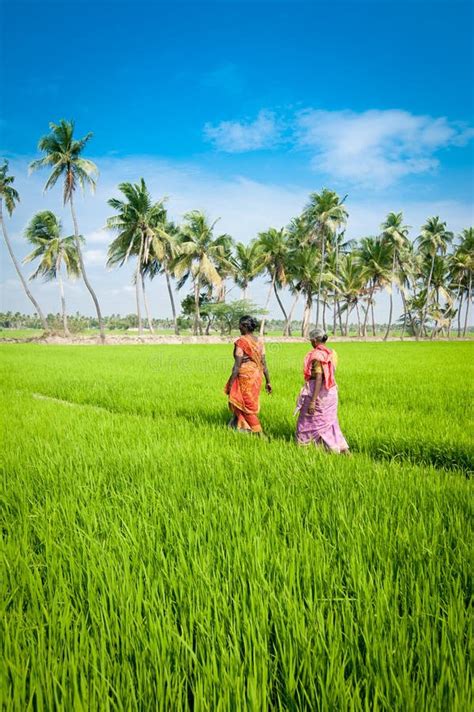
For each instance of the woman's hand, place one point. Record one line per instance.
(268, 388)
(311, 408)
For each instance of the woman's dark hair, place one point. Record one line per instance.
(248, 322)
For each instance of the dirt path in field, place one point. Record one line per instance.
(172, 339)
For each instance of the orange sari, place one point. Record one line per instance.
(244, 396)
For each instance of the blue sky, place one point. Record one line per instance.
(242, 108)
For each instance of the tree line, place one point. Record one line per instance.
(310, 257)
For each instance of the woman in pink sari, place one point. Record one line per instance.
(317, 401)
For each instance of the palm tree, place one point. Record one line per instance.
(433, 240)
(54, 252)
(305, 279)
(63, 154)
(247, 263)
(351, 284)
(200, 256)
(374, 257)
(441, 292)
(226, 265)
(325, 214)
(408, 269)
(395, 234)
(298, 235)
(10, 195)
(336, 246)
(161, 262)
(273, 248)
(466, 254)
(136, 222)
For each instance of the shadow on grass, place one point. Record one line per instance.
(442, 456)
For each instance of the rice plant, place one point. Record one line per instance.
(152, 559)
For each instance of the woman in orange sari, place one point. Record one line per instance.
(245, 382)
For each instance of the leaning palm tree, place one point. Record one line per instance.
(200, 256)
(433, 240)
(10, 195)
(395, 234)
(54, 252)
(137, 223)
(325, 214)
(273, 248)
(63, 154)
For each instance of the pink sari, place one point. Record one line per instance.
(322, 427)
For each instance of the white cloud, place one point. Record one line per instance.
(237, 137)
(98, 237)
(375, 147)
(95, 257)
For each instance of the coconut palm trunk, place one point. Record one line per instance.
(365, 311)
(369, 304)
(358, 319)
(307, 315)
(428, 286)
(147, 308)
(137, 288)
(197, 312)
(321, 270)
(244, 292)
(450, 323)
(173, 307)
(272, 286)
(20, 275)
(348, 313)
(222, 292)
(83, 271)
(459, 314)
(285, 316)
(287, 331)
(63, 300)
(468, 304)
(389, 325)
(339, 316)
(405, 314)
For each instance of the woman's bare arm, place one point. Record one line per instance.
(317, 388)
(266, 374)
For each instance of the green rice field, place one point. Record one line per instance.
(154, 560)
